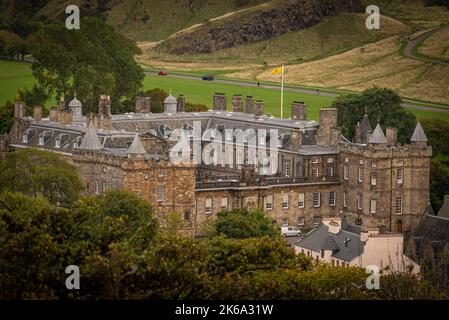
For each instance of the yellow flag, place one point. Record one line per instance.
(277, 71)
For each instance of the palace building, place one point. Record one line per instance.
(372, 181)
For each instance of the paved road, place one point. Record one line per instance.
(297, 90)
(412, 44)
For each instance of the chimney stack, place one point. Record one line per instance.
(66, 116)
(181, 107)
(219, 103)
(19, 110)
(54, 114)
(258, 110)
(249, 104)
(392, 137)
(104, 105)
(299, 110)
(237, 103)
(37, 113)
(296, 137)
(143, 104)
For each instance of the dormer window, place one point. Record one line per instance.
(57, 143)
(75, 145)
(41, 141)
(25, 138)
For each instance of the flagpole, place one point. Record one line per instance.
(282, 92)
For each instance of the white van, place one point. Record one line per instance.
(290, 232)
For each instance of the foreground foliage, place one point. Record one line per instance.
(122, 254)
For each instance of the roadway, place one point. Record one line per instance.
(287, 88)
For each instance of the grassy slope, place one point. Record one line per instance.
(437, 46)
(14, 75)
(152, 20)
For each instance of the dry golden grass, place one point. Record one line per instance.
(437, 45)
(378, 64)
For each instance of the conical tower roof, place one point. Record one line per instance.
(136, 146)
(418, 134)
(378, 136)
(90, 140)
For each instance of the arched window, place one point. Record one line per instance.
(399, 226)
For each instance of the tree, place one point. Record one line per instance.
(437, 132)
(384, 104)
(157, 99)
(93, 60)
(40, 173)
(6, 117)
(241, 224)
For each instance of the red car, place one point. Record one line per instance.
(162, 73)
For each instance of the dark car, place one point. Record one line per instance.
(162, 73)
(208, 77)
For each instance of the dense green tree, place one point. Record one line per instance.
(40, 173)
(6, 117)
(36, 96)
(157, 99)
(93, 60)
(195, 107)
(383, 104)
(241, 223)
(437, 132)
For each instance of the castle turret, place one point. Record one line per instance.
(90, 140)
(76, 107)
(419, 137)
(378, 136)
(170, 104)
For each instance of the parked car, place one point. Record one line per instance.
(290, 232)
(162, 73)
(208, 77)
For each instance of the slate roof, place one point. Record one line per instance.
(434, 227)
(418, 134)
(320, 238)
(378, 136)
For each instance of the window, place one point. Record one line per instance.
(161, 174)
(332, 199)
(25, 138)
(57, 143)
(400, 163)
(314, 172)
(330, 160)
(400, 175)
(285, 200)
(374, 164)
(287, 168)
(330, 171)
(186, 214)
(285, 222)
(41, 141)
(97, 187)
(360, 174)
(315, 160)
(316, 199)
(345, 199)
(359, 202)
(75, 145)
(373, 179)
(224, 203)
(358, 221)
(373, 206)
(208, 207)
(301, 200)
(316, 220)
(269, 202)
(104, 187)
(346, 159)
(345, 172)
(398, 205)
(301, 221)
(160, 194)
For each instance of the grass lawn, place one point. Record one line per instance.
(200, 91)
(14, 75)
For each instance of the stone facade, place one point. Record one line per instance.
(378, 183)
